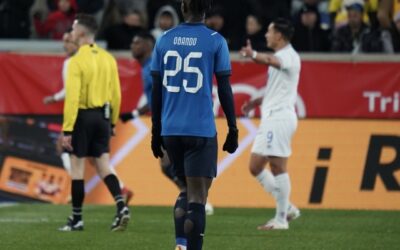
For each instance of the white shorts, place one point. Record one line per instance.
(275, 134)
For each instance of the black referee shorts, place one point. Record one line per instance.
(91, 135)
(192, 156)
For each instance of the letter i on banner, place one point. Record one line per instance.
(320, 176)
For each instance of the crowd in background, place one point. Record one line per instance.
(352, 26)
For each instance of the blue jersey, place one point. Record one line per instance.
(147, 80)
(186, 58)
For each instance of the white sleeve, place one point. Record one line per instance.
(60, 95)
(285, 59)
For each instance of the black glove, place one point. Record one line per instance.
(156, 144)
(126, 117)
(231, 142)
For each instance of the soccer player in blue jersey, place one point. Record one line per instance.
(184, 61)
(142, 47)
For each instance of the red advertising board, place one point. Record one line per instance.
(326, 90)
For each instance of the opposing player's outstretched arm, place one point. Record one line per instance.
(226, 99)
(261, 58)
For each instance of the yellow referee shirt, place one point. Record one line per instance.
(91, 81)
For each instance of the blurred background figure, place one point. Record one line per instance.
(166, 18)
(339, 16)
(153, 7)
(255, 33)
(119, 36)
(396, 32)
(57, 22)
(308, 35)
(14, 18)
(356, 37)
(70, 48)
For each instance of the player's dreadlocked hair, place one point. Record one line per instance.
(199, 7)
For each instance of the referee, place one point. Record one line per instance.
(91, 109)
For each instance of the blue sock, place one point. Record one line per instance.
(179, 218)
(197, 215)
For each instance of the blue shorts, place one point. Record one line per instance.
(192, 156)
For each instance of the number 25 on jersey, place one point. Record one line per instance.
(186, 69)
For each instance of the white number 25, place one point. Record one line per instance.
(186, 69)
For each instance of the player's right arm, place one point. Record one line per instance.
(261, 58)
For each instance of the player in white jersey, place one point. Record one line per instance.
(278, 120)
(70, 48)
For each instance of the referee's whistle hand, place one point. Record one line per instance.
(67, 142)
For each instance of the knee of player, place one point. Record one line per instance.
(188, 226)
(277, 169)
(255, 170)
(179, 212)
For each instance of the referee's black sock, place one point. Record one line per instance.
(195, 225)
(115, 190)
(78, 194)
(179, 218)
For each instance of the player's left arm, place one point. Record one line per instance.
(225, 96)
(223, 71)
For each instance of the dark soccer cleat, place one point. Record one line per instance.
(121, 220)
(71, 226)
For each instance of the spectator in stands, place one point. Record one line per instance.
(166, 19)
(338, 14)
(322, 7)
(57, 22)
(350, 38)
(111, 16)
(390, 35)
(153, 6)
(215, 20)
(14, 18)
(273, 9)
(255, 33)
(308, 35)
(396, 32)
(119, 36)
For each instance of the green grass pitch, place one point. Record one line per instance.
(34, 226)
